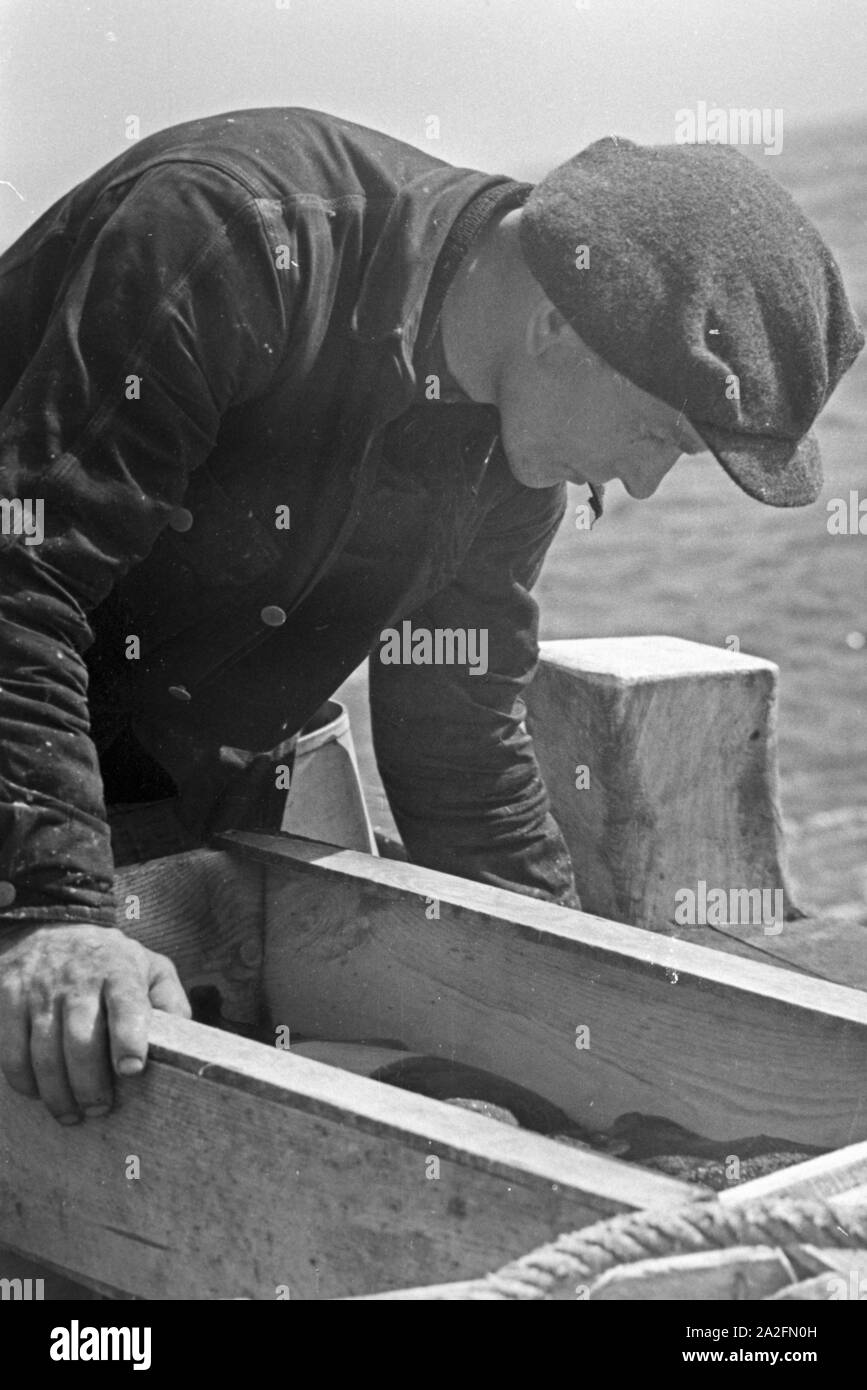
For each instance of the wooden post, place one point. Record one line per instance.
(660, 761)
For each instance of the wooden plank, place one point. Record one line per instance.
(262, 1171)
(430, 1293)
(851, 1264)
(45, 1283)
(750, 1272)
(720, 1045)
(829, 947)
(839, 1175)
(757, 1272)
(202, 909)
(855, 1197)
(828, 1175)
(807, 1291)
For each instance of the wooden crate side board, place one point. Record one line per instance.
(828, 1175)
(727, 1047)
(840, 1174)
(204, 910)
(261, 1172)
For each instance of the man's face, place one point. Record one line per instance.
(567, 416)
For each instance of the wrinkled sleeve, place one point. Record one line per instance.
(174, 311)
(456, 760)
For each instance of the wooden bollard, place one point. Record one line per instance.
(660, 760)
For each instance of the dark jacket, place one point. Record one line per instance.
(215, 327)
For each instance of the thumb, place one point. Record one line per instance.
(165, 990)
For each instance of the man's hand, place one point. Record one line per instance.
(74, 1007)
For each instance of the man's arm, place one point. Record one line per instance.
(173, 311)
(452, 749)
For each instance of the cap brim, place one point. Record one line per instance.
(777, 472)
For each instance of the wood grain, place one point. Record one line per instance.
(807, 1291)
(750, 1272)
(711, 1276)
(721, 1045)
(839, 1175)
(829, 1175)
(260, 1170)
(829, 947)
(679, 740)
(204, 910)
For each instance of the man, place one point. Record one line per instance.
(278, 382)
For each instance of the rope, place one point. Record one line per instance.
(553, 1271)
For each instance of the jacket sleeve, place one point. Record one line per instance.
(171, 312)
(456, 760)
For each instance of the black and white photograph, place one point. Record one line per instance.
(433, 667)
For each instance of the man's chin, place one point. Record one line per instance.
(534, 474)
(527, 474)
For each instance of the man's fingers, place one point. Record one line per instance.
(85, 1048)
(127, 1012)
(49, 1065)
(15, 1045)
(166, 991)
(75, 1006)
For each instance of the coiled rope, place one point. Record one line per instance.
(559, 1270)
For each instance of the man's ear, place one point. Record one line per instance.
(547, 329)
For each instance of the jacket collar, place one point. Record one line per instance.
(398, 274)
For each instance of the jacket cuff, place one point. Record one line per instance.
(56, 917)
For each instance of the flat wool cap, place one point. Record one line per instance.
(704, 284)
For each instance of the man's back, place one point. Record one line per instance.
(277, 155)
(208, 335)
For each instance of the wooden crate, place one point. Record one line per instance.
(237, 1169)
(264, 1174)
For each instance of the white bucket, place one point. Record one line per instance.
(325, 801)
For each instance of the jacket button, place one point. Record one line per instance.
(180, 692)
(180, 519)
(273, 616)
(7, 894)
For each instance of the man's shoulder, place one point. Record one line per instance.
(281, 151)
